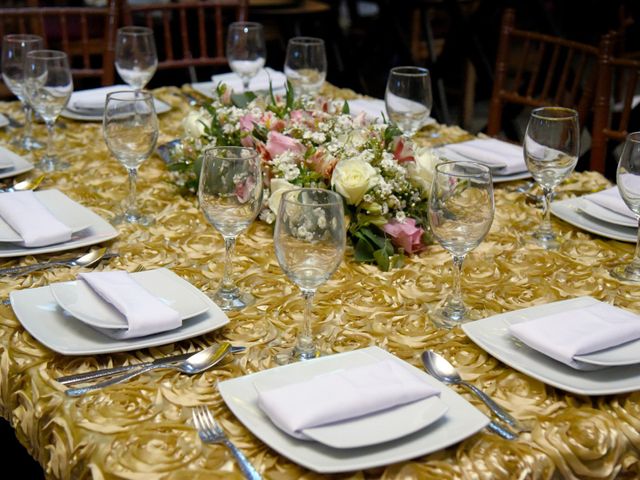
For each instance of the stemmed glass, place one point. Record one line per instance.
(48, 86)
(310, 239)
(230, 195)
(306, 64)
(246, 50)
(461, 211)
(14, 50)
(628, 179)
(136, 57)
(130, 128)
(551, 146)
(408, 98)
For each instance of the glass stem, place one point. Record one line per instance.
(456, 297)
(306, 346)
(245, 84)
(545, 226)
(131, 201)
(28, 116)
(227, 276)
(635, 263)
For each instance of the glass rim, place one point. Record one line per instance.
(211, 150)
(554, 113)
(135, 30)
(483, 169)
(307, 41)
(144, 94)
(24, 37)
(286, 194)
(633, 137)
(41, 54)
(410, 71)
(251, 25)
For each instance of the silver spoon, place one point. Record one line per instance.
(441, 369)
(85, 260)
(29, 184)
(196, 363)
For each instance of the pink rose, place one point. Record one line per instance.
(405, 235)
(278, 143)
(402, 150)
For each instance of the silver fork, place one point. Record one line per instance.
(210, 432)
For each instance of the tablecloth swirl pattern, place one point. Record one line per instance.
(140, 430)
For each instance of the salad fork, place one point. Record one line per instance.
(210, 432)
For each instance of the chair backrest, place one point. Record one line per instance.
(536, 70)
(190, 33)
(616, 97)
(86, 34)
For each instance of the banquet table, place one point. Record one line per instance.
(142, 429)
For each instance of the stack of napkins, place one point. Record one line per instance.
(502, 157)
(580, 331)
(261, 81)
(32, 220)
(341, 395)
(611, 200)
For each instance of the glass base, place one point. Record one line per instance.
(234, 299)
(293, 355)
(626, 273)
(132, 218)
(451, 315)
(546, 240)
(52, 164)
(27, 143)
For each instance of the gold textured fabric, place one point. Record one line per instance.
(142, 429)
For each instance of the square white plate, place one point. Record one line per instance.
(570, 211)
(40, 314)
(492, 335)
(99, 230)
(20, 165)
(81, 301)
(461, 420)
(62, 207)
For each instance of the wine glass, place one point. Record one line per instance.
(461, 211)
(230, 195)
(551, 146)
(306, 64)
(408, 98)
(628, 179)
(310, 239)
(48, 86)
(136, 57)
(246, 50)
(14, 50)
(130, 128)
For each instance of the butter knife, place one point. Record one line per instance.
(107, 372)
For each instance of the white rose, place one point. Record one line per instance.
(278, 186)
(353, 178)
(193, 124)
(421, 171)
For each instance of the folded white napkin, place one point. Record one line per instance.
(145, 313)
(491, 152)
(341, 395)
(259, 82)
(32, 220)
(8, 158)
(611, 200)
(373, 108)
(579, 331)
(93, 100)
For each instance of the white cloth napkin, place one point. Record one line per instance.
(8, 158)
(373, 108)
(93, 100)
(32, 220)
(611, 200)
(259, 82)
(341, 395)
(579, 331)
(491, 152)
(145, 313)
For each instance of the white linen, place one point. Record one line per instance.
(145, 313)
(491, 152)
(341, 395)
(32, 220)
(93, 100)
(578, 331)
(373, 108)
(8, 158)
(610, 199)
(259, 82)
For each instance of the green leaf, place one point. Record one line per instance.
(376, 240)
(241, 100)
(179, 167)
(345, 108)
(363, 251)
(289, 91)
(382, 259)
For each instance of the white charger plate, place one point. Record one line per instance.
(62, 207)
(604, 214)
(570, 211)
(19, 164)
(40, 314)
(459, 422)
(492, 335)
(98, 230)
(81, 301)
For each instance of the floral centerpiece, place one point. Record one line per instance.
(383, 177)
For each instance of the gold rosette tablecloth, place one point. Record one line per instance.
(142, 429)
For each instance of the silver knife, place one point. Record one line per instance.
(107, 372)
